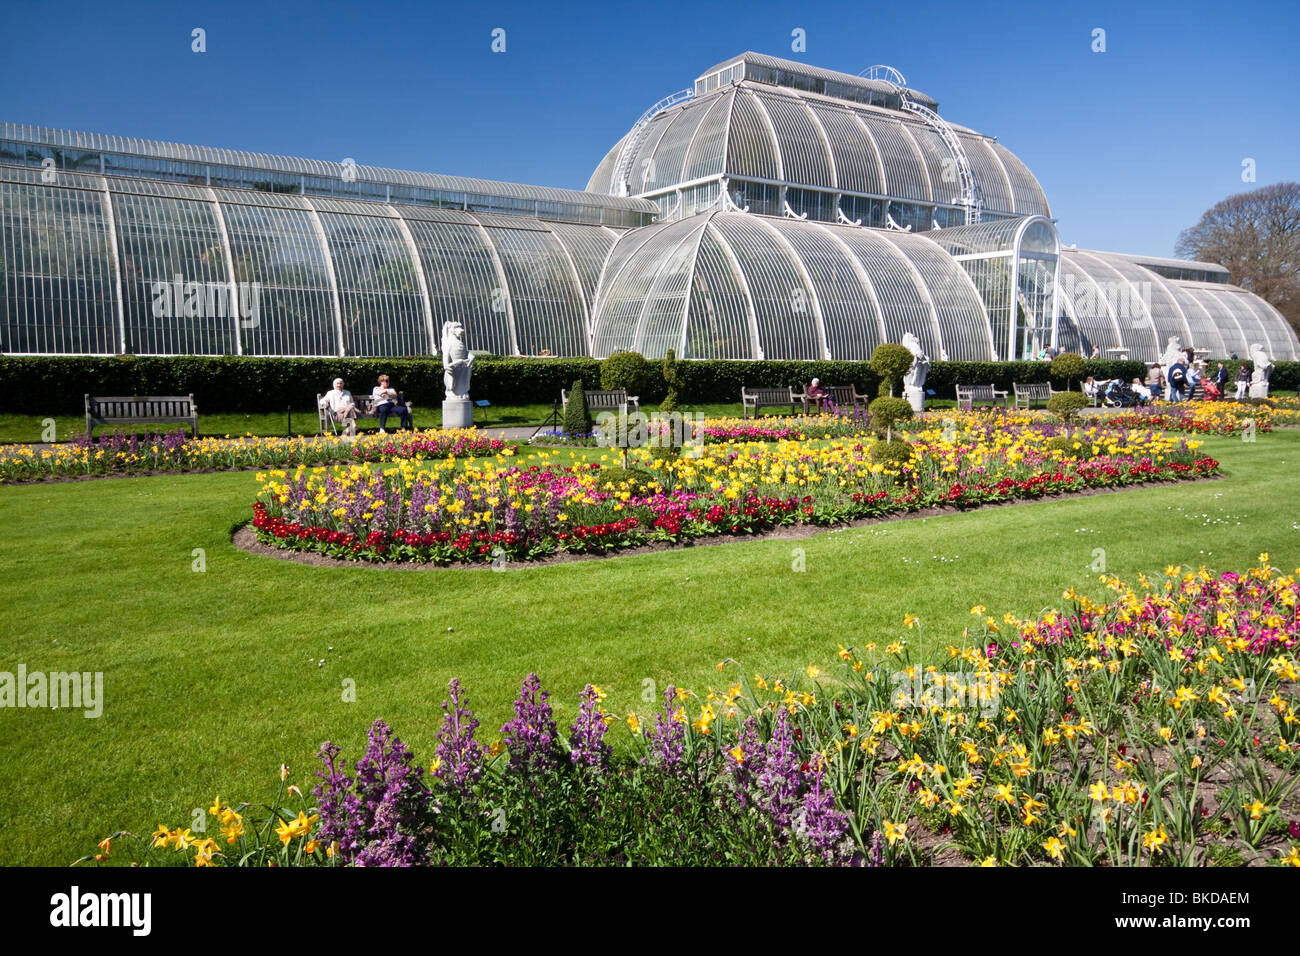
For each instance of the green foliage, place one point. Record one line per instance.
(673, 382)
(618, 473)
(884, 413)
(253, 384)
(1067, 405)
(890, 362)
(894, 454)
(1068, 366)
(577, 416)
(626, 370)
(1065, 445)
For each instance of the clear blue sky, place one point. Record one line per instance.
(1131, 145)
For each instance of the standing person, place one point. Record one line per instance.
(1177, 376)
(342, 407)
(1153, 375)
(1243, 380)
(387, 403)
(1096, 351)
(1221, 378)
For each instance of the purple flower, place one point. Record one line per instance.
(374, 816)
(531, 737)
(778, 781)
(668, 739)
(459, 755)
(746, 770)
(822, 827)
(587, 735)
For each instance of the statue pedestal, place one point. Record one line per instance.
(1259, 389)
(915, 397)
(457, 413)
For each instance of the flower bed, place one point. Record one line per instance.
(534, 507)
(1156, 728)
(176, 452)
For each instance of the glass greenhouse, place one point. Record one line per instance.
(771, 210)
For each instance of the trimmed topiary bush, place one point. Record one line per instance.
(626, 370)
(893, 454)
(884, 413)
(1068, 366)
(1065, 445)
(890, 362)
(673, 380)
(577, 417)
(1067, 405)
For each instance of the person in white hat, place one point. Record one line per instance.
(342, 406)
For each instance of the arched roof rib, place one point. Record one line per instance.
(1146, 309)
(791, 136)
(330, 275)
(242, 159)
(805, 288)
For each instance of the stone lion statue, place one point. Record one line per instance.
(457, 362)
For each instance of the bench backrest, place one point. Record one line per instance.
(765, 395)
(976, 391)
(1032, 388)
(844, 394)
(600, 398)
(136, 407)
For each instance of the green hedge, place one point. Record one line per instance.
(56, 385)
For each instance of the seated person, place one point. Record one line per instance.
(387, 403)
(342, 408)
(1141, 391)
(816, 394)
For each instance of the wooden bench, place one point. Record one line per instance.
(968, 395)
(141, 410)
(605, 400)
(752, 399)
(365, 409)
(845, 398)
(1032, 392)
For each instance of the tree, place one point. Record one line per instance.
(577, 417)
(1256, 235)
(673, 379)
(626, 370)
(891, 362)
(1068, 366)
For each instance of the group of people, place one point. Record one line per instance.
(1178, 383)
(385, 400)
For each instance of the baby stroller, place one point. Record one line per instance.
(1120, 395)
(1212, 391)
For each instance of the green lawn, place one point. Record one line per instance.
(212, 679)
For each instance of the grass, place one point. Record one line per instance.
(212, 679)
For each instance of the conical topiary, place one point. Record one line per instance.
(577, 417)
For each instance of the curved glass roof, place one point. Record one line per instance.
(1110, 301)
(759, 132)
(84, 262)
(739, 286)
(21, 144)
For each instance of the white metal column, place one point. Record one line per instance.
(230, 267)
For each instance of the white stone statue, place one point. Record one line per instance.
(1173, 355)
(457, 366)
(914, 378)
(457, 362)
(1263, 371)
